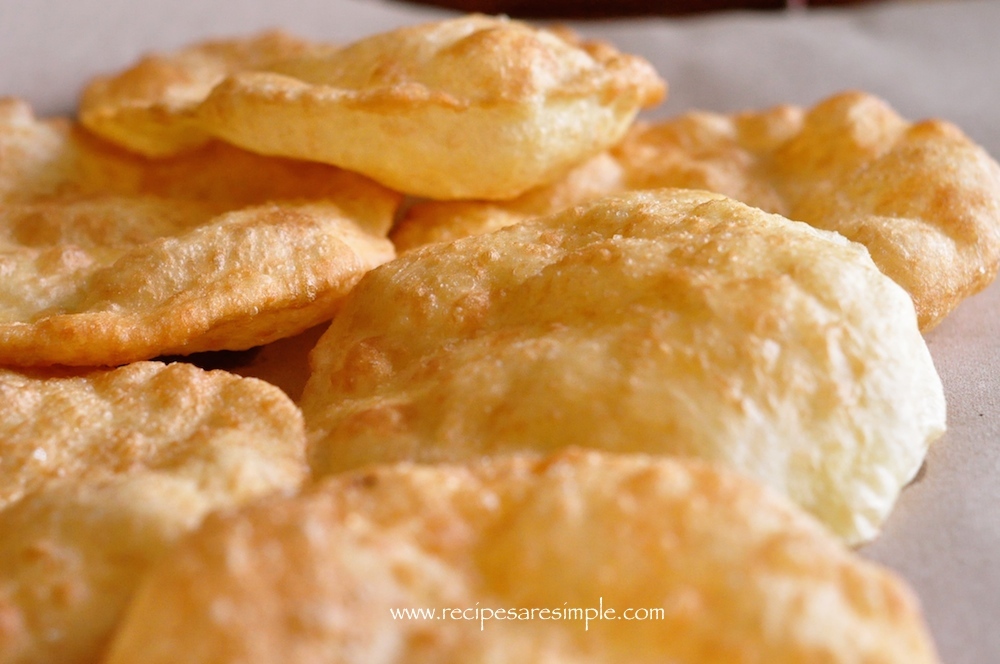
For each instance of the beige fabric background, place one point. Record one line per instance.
(930, 58)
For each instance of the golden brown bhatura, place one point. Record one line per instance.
(471, 107)
(682, 561)
(110, 258)
(921, 196)
(103, 470)
(674, 322)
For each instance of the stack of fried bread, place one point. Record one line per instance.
(574, 362)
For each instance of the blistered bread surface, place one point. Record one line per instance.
(103, 471)
(674, 322)
(109, 258)
(733, 573)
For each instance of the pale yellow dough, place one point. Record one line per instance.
(672, 322)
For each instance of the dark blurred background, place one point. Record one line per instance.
(609, 8)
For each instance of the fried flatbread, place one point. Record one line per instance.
(922, 197)
(517, 557)
(110, 258)
(148, 108)
(674, 322)
(473, 107)
(102, 471)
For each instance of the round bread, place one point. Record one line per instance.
(109, 258)
(472, 107)
(102, 471)
(922, 197)
(674, 322)
(148, 107)
(581, 557)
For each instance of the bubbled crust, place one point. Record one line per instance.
(102, 471)
(922, 197)
(109, 258)
(148, 107)
(85, 426)
(722, 153)
(676, 322)
(740, 574)
(474, 107)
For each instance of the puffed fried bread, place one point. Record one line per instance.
(109, 258)
(674, 322)
(721, 570)
(922, 197)
(103, 470)
(149, 107)
(471, 107)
